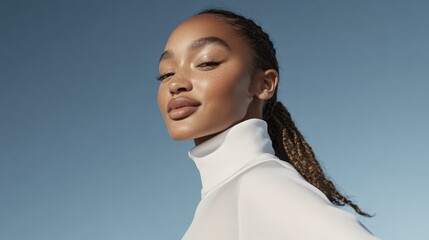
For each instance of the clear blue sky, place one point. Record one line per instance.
(84, 153)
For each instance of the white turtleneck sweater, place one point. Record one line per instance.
(250, 194)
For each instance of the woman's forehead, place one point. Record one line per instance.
(203, 26)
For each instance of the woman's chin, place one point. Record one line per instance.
(186, 136)
(181, 135)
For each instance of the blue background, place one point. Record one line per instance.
(84, 153)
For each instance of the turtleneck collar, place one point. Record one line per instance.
(226, 153)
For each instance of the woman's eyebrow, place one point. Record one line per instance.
(165, 55)
(201, 42)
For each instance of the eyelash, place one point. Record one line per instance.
(209, 63)
(164, 76)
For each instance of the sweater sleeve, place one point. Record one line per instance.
(276, 203)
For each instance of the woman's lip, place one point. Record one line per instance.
(181, 107)
(181, 113)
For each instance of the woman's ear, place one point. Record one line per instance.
(268, 84)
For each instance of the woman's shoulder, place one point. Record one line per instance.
(277, 178)
(273, 198)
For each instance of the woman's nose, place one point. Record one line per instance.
(179, 84)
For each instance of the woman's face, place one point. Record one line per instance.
(206, 79)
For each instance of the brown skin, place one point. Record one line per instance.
(220, 78)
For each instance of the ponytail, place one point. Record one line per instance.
(290, 146)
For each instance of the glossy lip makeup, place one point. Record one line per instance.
(181, 107)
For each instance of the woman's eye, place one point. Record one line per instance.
(164, 76)
(209, 64)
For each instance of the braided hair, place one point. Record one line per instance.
(288, 143)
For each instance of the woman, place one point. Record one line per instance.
(218, 86)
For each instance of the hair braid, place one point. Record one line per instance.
(288, 142)
(290, 145)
